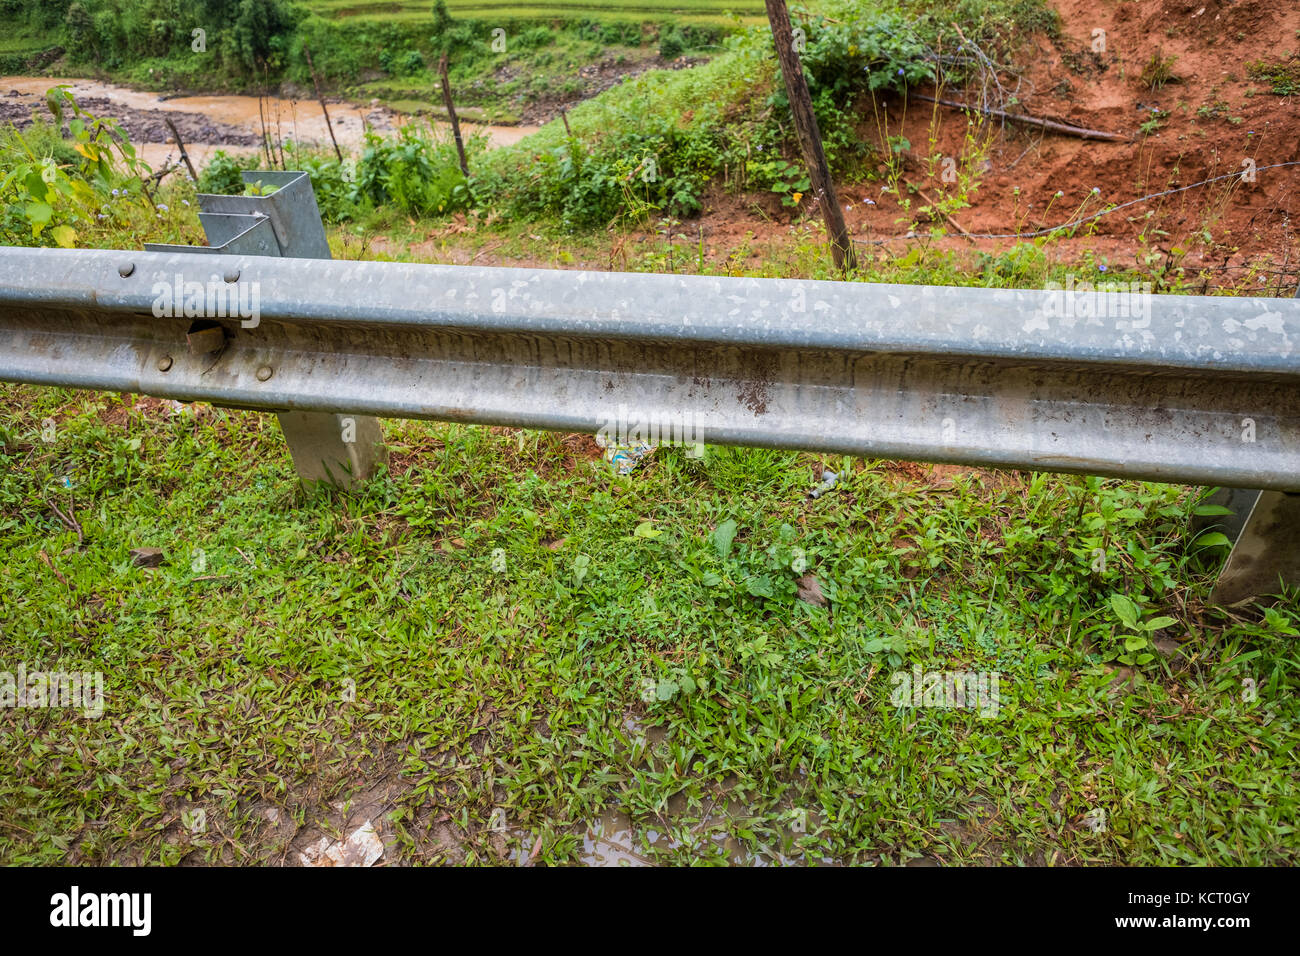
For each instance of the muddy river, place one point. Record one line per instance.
(209, 123)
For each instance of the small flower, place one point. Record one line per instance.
(117, 192)
(1095, 190)
(1059, 194)
(185, 202)
(1102, 267)
(162, 206)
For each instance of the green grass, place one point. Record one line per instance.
(517, 679)
(22, 44)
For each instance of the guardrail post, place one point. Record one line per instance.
(1266, 554)
(340, 449)
(1237, 500)
(1264, 528)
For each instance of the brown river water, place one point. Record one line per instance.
(209, 123)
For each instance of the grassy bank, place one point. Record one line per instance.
(498, 624)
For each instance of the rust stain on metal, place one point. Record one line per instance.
(753, 388)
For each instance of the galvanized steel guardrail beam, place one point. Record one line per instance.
(1194, 389)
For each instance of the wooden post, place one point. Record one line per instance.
(810, 138)
(564, 115)
(181, 146)
(316, 83)
(266, 137)
(451, 112)
(277, 142)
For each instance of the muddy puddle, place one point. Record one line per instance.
(208, 123)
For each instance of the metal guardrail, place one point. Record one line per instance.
(1200, 390)
(1190, 389)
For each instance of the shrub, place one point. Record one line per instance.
(418, 172)
(881, 53)
(222, 173)
(671, 44)
(54, 192)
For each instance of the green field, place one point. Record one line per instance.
(702, 12)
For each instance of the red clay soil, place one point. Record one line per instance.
(1210, 116)
(1217, 117)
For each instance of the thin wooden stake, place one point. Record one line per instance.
(810, 139)
(451, 112)
(277, 142)
(181, 146)
(316, 83)
(266, 138)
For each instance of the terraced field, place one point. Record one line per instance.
(702, 12)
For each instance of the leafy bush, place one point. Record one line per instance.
(53, 192)
(645, 165)
(620, 32)
(786, 179)
(401, 62)
(418, 171)
(337, 192)
(671, 44)
(222, 174)
(534, 38)
(881, 53)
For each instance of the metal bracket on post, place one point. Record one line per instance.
(340, 449)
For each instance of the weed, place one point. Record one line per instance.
(1158, 71)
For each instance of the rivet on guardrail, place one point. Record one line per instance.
(124, 269)
(264, 373)
(164, 363)
(232, 275)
